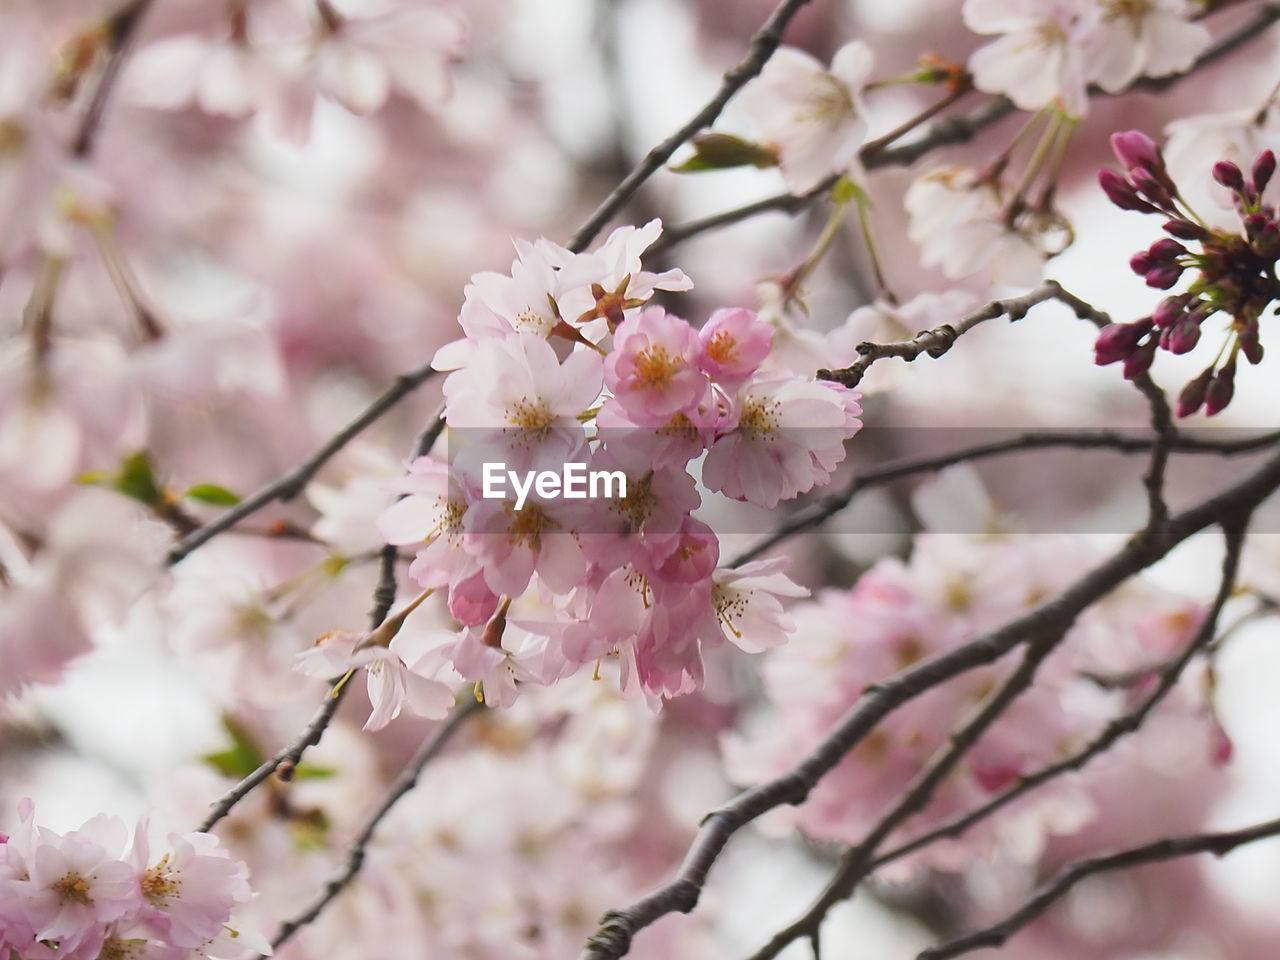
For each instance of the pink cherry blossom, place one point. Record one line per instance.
(734, 344)
(810, 116)
(788, 435)
(653, 369)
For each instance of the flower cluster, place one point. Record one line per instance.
(83, 895)
(566, 362)
(1049, 51)
(954, 588)
(1232, 273)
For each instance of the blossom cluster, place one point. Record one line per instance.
(1049, 51)
(566, 361)
(953, 589)
(91, 895)
(1233, 273)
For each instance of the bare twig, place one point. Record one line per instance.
(939, 340)
(681, 894)
(857, 862)
(819, 511)
(292, 483)
(763, 44)
(1167, 849)
(121, 28)
(407, 780)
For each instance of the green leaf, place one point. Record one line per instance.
(313, 771)
(721, 151)
(213, 495)
(137, 480)
(241, 758)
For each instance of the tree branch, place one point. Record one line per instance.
(1168, 849)
(857, 863)
(292, 483)
(939, 340)
(681, 894)
(120, 30)
(763, 45)
(407, 780)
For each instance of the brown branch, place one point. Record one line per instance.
(763, 45)
(857, 863)
(407, 780)
(292, 483)
(681, 894)
(121, 27)
(939, 340)
(1167, 849)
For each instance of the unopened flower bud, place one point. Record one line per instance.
(1165, 250)
(1139, 361)
(1254, 224)
(1118, 340)
(1250, 346)
(1133, 148)
(1151, 188)
(1170, 310)
(1186, 230)
(1121, 192)
(1263, 168)
(1229, 175)
(1221, 389)
(1140, 263)
(1191, 398)
(1183, 336)
(1162, 278)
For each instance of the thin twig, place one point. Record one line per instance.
(122, 26)
(939, 340)
(1167, 849)
(680, 894)
(763, 45)
(292, 483)
(407, 780)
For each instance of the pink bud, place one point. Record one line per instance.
(1165, 250)
(1263, 168)
(1133, 148)
(1192, 397)
(1121, 192)
(1220, 391)
(1117, 341)
(1186, 230)
(1184, 336)
(1162, 278)
(1229, 175)
(1170, 310)
(1139, 362)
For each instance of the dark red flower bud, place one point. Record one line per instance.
(1121, 192)
(1191, 398)
(1139, 362)
(1229, 175)
(1254, 224)
(1118, 340)
(1162, 278)
(1170, 310)
(1221, 389)
(1186, 230)
(1267, 241)
(1184, 336)
(1165, 251)
(1263, 168)
(1140, 263)
(1133, 148)
(1250, 346)
(1151, 188)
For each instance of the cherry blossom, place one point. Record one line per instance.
(811, 117)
